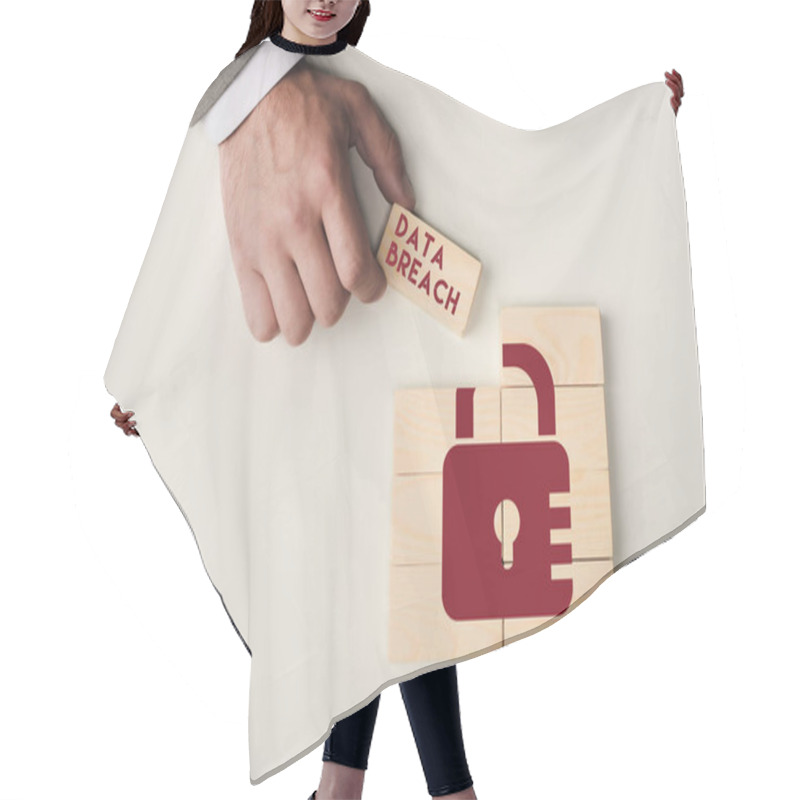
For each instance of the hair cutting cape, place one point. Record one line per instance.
(364, 515)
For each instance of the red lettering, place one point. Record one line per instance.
(437, 259)
(402, 265)
(401, 220)
(425, 283)
(415, 265)
(450, 298)
(391, 256)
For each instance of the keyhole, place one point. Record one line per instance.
(506, 529)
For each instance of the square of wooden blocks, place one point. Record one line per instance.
(569, 341)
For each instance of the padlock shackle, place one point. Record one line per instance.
(533, 363)
(465, 412)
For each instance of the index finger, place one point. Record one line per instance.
(378, 145)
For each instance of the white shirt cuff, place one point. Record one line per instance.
(269, 64)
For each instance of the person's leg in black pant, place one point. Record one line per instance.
(434, 713)
(347, 750)
(351, 737)
(433, 710)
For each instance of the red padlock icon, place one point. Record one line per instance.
(477, 478)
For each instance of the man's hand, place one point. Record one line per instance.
(298, 239)
(675, 82)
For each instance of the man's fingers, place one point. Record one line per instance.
(291, 307)
(378, 146)
(299, 242)
(326, 295)
(356, 265)
(258, 310)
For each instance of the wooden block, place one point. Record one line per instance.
(580, 422)
(425, 425)
(568, 338)
(585, 576)
(428, 268)
(589, 501)
(419, 627)
(424, 430)
(417, 519)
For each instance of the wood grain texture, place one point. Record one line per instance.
(569, 338)
(580, 422)
(425, 427)
(428, 268)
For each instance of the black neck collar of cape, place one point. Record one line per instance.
(309, 49)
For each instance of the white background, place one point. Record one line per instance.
(120, 673)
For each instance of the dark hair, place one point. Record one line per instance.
(266, 18)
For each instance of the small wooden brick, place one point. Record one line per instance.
(589, 501)
(417, 519)
(425, 425)
(568, 338)
(428, 268)
(580, 422)
(419, 627)
(585, 576)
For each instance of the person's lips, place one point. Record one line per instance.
(323, 16)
